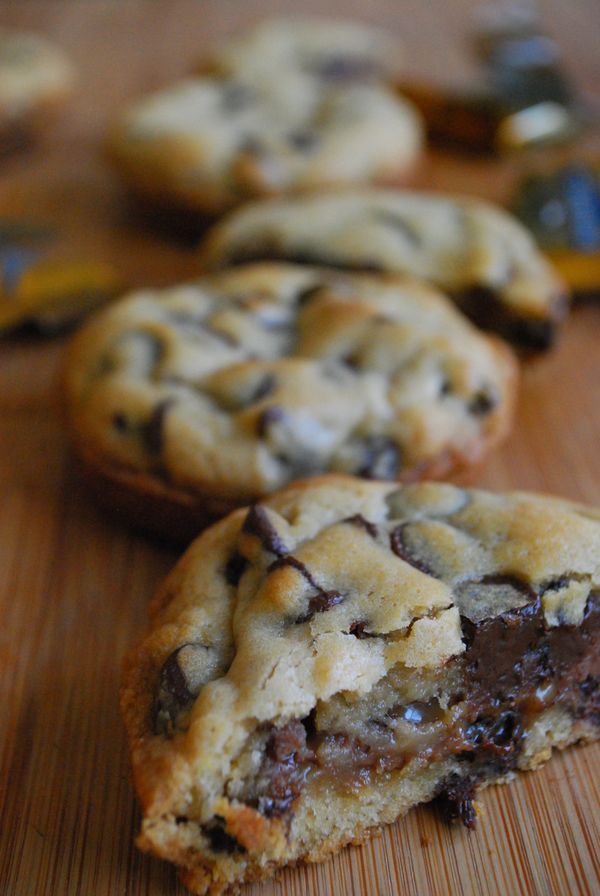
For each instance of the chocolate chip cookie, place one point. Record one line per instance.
(35, 78)
(332, 51)
(469, 248)
(323, 661)
(186, 403)
(209, 143)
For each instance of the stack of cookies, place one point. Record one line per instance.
(316, 665)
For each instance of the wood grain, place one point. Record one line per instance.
(75, 585)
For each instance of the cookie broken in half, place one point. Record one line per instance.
(323, 661)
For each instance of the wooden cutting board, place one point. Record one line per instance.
(74, 584)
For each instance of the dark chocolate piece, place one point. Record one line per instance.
(235, 568)
(152, 431)
(399, 223)
(267, 418)
(382, 458)
(359, 520)
(177, 688)
(283, 770)
(346, 68)
(400, 547)
(482, 403)
(303, 141)
(219, 839)
(257, 523)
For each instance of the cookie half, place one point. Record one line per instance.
(207, 144)
(330, 50)
(186, 403)
(35, 78)
(475, 251)
(324, 661)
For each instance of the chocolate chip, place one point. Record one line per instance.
(482, 403)
(308, 293)
(120, 422)
(283, 770)
(236, 97)
(319, 603)
(359, 520)
(265, 386)
(235, 568)
(257, 523)
(358, 629)
(445, 387)
(303, 141)
(382, 458)
(152, 431)
(346, 68)
(454, 799)
(399, 542)
(219, 839)
(179, 685)
(397, 222)
(267, 418)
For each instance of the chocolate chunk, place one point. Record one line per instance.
(178, 687)
(264, 387)
(120, 422)
(346, 68)
(257, 523)
(482, 403)
(358, 629)
(235, 568)
(219, 839)
(500, 734)
(303, 141)
(267, 418)
(152, 431)
(485, 308)
(319, 603)
(236, 97)
(454, 799)
(283, 770)
(400, 545)
(308, 293)
(359, 520)
(397, 222)
(382, 458)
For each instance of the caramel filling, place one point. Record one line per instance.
(514, 668)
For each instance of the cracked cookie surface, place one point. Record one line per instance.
(473, 250)
(225, 389)
(209, 143)
(321, 662)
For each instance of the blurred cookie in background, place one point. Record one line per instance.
(35, 79)
(207, 144)
(333, 51)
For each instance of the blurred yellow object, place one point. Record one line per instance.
(52, 294)
(581, 271)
